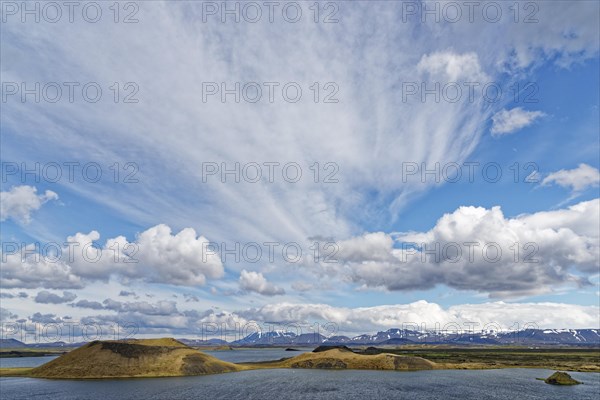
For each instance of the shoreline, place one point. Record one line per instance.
(23, 372)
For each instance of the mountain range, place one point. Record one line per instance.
(527, 337)
(406, 336)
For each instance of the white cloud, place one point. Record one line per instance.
(368, 54)
(453, 67)
(538, 252)
(365, 145)
(20, 201)
(510, 121)
(31, 273)
(164, 317)
(577, 179)
(155, 256)
(255, 282)
(429, 315)
(46, 297)
(94, 305)
(142, 307)
(6, 315)
(180, 259)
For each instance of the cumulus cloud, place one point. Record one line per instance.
(94, 305)
(155, 256)
(20, 201)
(190, 322)
(162, 307)
(6, 315)
(191, 298)
(46, 318)
(422, 315)
(577, 179)
(20, 295)
(479, 249)
(37, 272)
(428, 315)
(142, 307)
(510, 121)
(180, 259)
(255, 282)
(361, 51)
(46, 297)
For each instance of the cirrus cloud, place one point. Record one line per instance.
(577, 179)
(510, 121)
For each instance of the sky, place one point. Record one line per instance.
(203, 169)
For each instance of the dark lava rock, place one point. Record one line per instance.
(371, 350)
(323, 363)
(130, 350)
(325, 348)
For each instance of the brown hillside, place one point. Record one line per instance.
(132, 358)
(343, 359)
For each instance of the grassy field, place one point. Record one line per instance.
(15, 371)
(558, 358)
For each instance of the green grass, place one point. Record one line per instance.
(15, 371)
(571, 359)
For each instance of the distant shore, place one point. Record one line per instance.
(400, 358)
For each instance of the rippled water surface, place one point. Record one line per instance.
(292, 384)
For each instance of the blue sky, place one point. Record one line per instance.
(370, 136)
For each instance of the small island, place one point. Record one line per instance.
(561, 378)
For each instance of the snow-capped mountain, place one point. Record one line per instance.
(406, 336)
(527, 337)
(280, 338)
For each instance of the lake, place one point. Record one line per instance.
(293, 384)
(236, 356)
(11, 362)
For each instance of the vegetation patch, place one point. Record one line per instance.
(561, 378)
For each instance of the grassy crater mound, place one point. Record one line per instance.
(132, 358)
(344, 359)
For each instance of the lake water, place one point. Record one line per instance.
(291, 384)
(11, 362)
(254, 355)
(236, 356)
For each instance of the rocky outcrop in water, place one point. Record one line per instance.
(561, 378)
